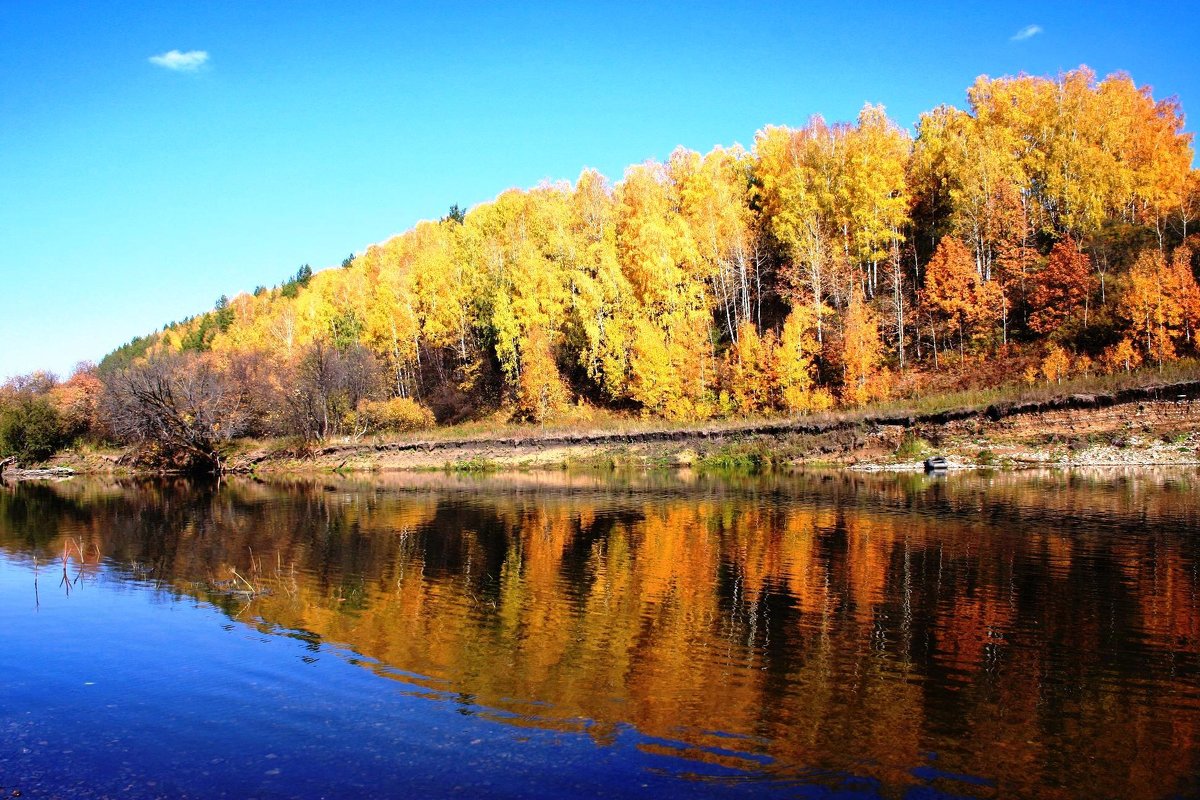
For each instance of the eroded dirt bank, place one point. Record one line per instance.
(1146, 425)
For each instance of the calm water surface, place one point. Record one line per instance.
(553, 635)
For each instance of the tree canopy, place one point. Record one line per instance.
(834, 260)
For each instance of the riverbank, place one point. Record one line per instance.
(1147, 425)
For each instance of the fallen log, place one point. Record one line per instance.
(35, 474)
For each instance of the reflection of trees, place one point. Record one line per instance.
(33, 516)
(1011, 623)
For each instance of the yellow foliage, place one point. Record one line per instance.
(1055, 364)
(795, 363)
(955, 291)
(654, 380)
(1083, 365)
(1121, 357)
(641, 285)
(541, 392)
(669, 380)
(751, 365)
(398, 414)
(1155, 303)
(862, 355)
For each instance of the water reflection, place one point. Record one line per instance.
(1033, 635)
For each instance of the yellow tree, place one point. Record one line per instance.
(876, 190)
(1154, 313)
(1123, 355)
(862, 354)
(659, 260)
(443, 284)
(1181, 287)
(1189, 200)
(654, 246)
(519, 243)
(523, 243)
(955, 293)
(972, 164)
(506, 331)
(541, 391)
(878, 198)
(280, 320)
(1088, 151)
(390, 324)
(797, 175)
(1055, 364)
(242, 330)
(1149, 140)
(836, 198)
(654, 381)
(751, 368)
(602, 306)
(796, 365)
(714, 202)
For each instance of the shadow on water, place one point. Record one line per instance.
(976, 635)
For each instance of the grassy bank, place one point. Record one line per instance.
(1147, 417)
(1008, 425)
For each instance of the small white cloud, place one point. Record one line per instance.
(190, 61)
(1028, 32)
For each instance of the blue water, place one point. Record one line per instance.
(1041, 637)
(119, 689)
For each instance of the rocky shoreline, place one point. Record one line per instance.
(1146, 426)
(9, 470)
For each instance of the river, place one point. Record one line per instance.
(659, 635)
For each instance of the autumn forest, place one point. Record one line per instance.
(1046, 231)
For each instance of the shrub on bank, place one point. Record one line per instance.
(400, 414)
(912, 447)
(31, 429)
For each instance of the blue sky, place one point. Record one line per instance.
(133, 193)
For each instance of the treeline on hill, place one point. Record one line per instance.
(1041, 233)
